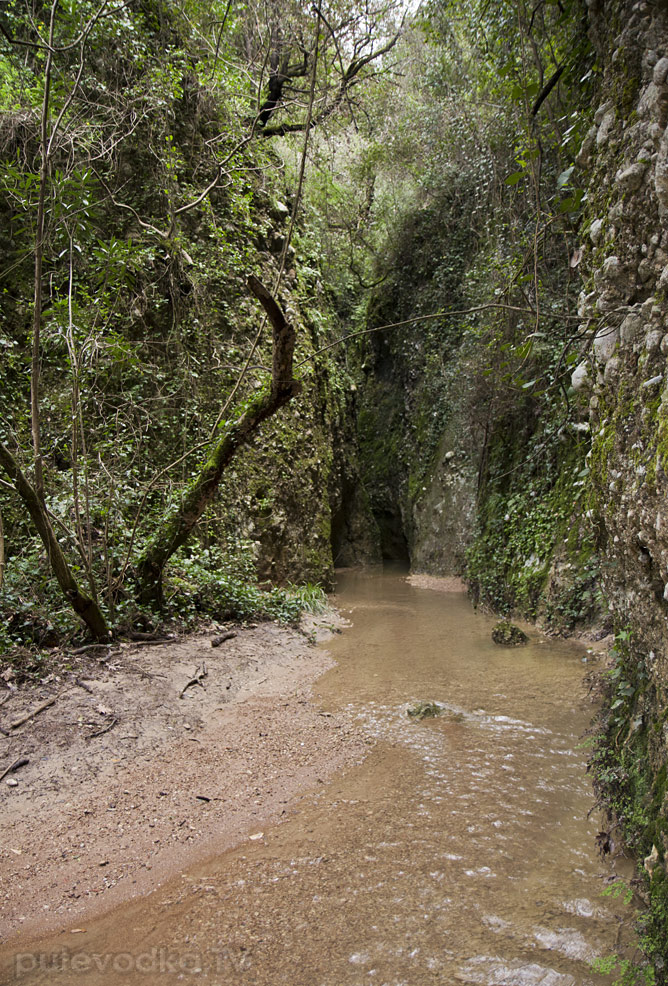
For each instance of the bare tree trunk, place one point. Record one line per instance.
(178, 525)
(39, 254)
(83, 605)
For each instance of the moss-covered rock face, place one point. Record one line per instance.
(631, 781)
(557, 509)
(624, 312)
(294, 494)
(464, 471)
(534, 552)
(419, 434)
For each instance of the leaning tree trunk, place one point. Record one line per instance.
(2, 553)
(179, 523)
(82, 604)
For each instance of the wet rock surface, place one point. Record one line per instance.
(506, 634)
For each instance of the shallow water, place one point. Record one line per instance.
(458, 852)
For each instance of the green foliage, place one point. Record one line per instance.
(209, 582)
(312, 598)
(619, 888)
(147, 319)
(530, 513)
(626, 971)
(630, 780)
(32, 609)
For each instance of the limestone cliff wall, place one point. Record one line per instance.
(623, 381)
(624, 311)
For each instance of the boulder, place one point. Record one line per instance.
(506, 634)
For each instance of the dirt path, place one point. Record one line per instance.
(129, 781)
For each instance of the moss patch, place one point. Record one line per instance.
(508, 635)
(424, 710)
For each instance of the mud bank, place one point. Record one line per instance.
(131, 779)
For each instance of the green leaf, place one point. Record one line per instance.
(564, 177)
(572, 203)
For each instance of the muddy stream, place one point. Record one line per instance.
(458, 852)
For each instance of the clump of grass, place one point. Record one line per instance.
(311, 597)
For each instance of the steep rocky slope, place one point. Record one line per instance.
(624, 309)
(555, 505)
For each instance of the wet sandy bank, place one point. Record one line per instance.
(131, 779)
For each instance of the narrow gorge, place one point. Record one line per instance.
(457, 215)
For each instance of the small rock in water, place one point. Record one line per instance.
(508, 635)
(424, 710)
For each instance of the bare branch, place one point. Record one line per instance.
(349, 78)
(412, 321)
